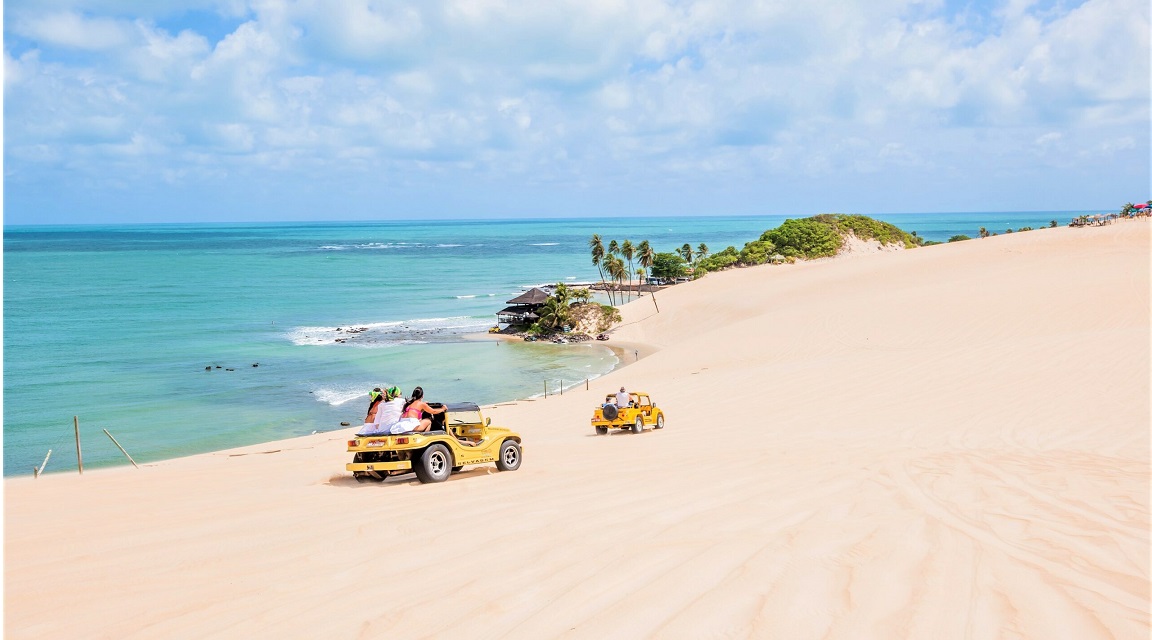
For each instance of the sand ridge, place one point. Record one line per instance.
(951, 441)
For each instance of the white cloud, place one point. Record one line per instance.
(71, 30)
(576, 92)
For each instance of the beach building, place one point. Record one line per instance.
(523, 308)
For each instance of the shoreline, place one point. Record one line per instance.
(927, 457)
(627, 352)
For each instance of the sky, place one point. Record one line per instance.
(285, 110)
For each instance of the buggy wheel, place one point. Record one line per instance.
(660, 421)
(601, 430)
(434, 465)
(639, 426)
(510, 458)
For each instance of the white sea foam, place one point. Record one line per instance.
(377, 335)
(445, 246)
(543, 244)
(374, 246)
(339, 396)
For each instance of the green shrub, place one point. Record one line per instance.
(757, 252)
(958, 238)
(609, 316)
(807, 238)
(668, 265)
(867, 228)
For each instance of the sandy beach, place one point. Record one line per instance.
(946, 442)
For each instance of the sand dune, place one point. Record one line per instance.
(949, 442)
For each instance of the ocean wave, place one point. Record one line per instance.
(339, 396)
(543, 244)
(377, 335)
(475, 295)
(445, 246)
(373, 246)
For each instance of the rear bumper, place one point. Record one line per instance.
(398, 465)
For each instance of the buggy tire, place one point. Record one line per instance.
(601, 431)
(639, 426)
(434, 465)
(660, 421)
(610, 411)
(510, 456)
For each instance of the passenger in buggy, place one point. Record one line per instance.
(412, 417)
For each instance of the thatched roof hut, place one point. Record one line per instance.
(533, 296)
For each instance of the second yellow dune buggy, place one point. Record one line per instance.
(459, 436)
(640, 411)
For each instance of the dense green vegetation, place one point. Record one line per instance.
(796, 239)
(668, 266)
(867, 228)
(805, 238)
(958, 238)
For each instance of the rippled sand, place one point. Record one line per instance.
(949, 442)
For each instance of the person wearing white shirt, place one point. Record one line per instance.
(622, 399)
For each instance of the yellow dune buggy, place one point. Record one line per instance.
(640, 412)
(459, 436)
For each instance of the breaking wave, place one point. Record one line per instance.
(377, 335)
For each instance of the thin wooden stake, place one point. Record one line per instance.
(561, 387)
(79, 456)
(38, 471)
(121, 449)
(585, 384)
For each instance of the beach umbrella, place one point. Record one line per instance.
(1140, 206)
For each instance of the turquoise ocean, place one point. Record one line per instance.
(153, 331)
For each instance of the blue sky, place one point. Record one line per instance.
(237, 110)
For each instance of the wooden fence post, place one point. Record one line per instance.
(79, 456)
(37, 471)
(121, 449)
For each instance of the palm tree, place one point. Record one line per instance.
(554, 315)
(627, 251)
(562, 293)
(1051, 224)
(701, 251)
(686, 251)
(647, 257)
(616, 269)
(597, 247)
(983, 232)
(1128, 208)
